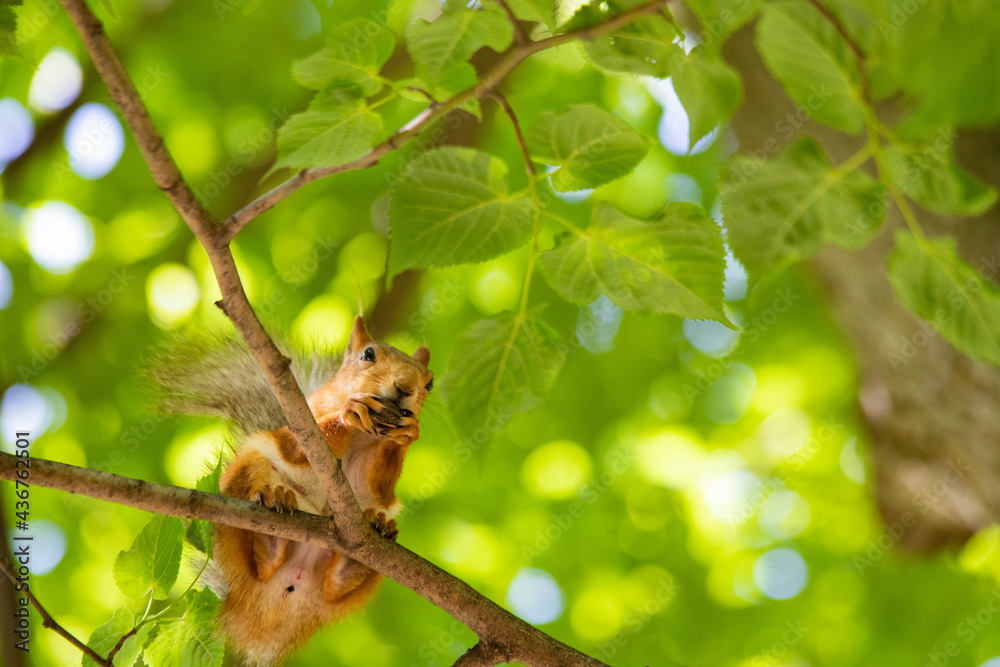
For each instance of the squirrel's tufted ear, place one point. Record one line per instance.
(423, 355)
(359, 335)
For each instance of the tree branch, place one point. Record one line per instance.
(47, 621)
(351, 525)
(493, 624)
(348, 533)
(481, 655)
(488, 82)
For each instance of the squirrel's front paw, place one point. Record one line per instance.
(403, 432)
(358, 411)
(276, 497)
(385, 526)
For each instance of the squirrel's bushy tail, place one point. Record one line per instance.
(216, 375)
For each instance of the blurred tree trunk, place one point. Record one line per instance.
(933, 414)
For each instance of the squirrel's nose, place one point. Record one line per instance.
(404, 391)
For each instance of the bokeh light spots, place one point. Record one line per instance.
(59, 237)
(597, 325)
(535, 596)
(671, 458)
(496, 286)
(324, 320)
(597, 614)
(94, 140)
(139, 233)
(471, 549)
(780, 574)
(24, 408)
(17, 130)
(783, 515)
(56, 83)
(172, 294)
(193, 453)
(558, 469)
(193, 145)
(6, 286)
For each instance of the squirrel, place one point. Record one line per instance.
(277, 593)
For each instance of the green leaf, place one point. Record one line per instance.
(928, 174)
(674, 264)
(353, 56)
(153, 561)
(785, 209)
(8, 29)
(590, 146)
(451, 206)
(454, 36)
(201, 534)
(331, 133)
(709, 89)
(539, 11)
(500, 367)
(646, 46)
(721, 18)
(105, 638)
(934, 283)
(813, 63)
(192, 641)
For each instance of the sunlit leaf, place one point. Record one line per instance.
(192, 641)
(933, 282)
(500, 367)
(105, 638)
(673, 264)
(812, 61)
(589, 145)
(153, 561)
(646, 46)
(709, 89)
(539, 11)
(786, 208)
(454, 36)
(327, 135)
(452, 206)
(354, 54)
(720, 18)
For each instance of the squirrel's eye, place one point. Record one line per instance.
(430, 385)
(369, 354)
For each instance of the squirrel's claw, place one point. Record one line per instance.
(385, 526)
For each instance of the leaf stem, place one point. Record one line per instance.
(905, 210)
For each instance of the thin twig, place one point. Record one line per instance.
(520, 36)
(350, 522)
(529, 166)
(852, 44)
(47, 621)
(490, 81)
(121, 643)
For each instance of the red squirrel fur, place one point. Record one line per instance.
(278, 592)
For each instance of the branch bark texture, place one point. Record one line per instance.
(502, 635)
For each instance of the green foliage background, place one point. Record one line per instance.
(617, 484)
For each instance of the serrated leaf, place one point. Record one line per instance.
(353, 56)
(785, 209)
(647, 46)
(933, 282)
(500, 367)
(454, 36)
(674, 264)
(538, 11)
(105, 638)
(153, 561)
(813, 63)
(927, 173)
(709, 89)
(720, 18)
(201, 534)
(192, 641)
(452, 206)
(590, 146)
(327, 135)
